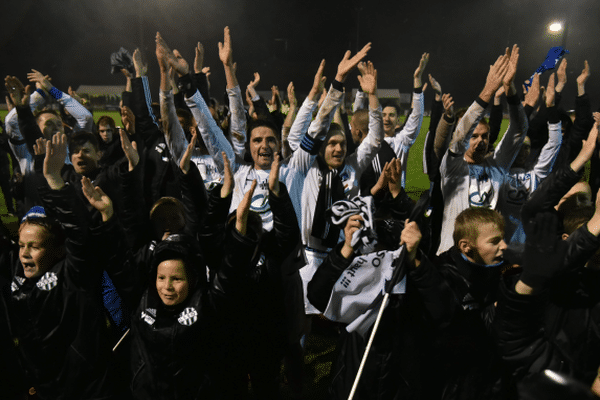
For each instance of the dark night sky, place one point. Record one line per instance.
(71, 40)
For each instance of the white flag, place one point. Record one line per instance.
(357, 295)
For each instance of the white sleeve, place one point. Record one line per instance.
(408, 135)
(361, 101)
(547, 156)
(511, 142)
(212, 135)
(174, 135)
(301, 123)
(465, 128)
(371, 144)
(84, 118)
(238, 120)
(319, 127)
(302, 159)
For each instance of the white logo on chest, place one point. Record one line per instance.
(188, 316)
(148, 316)
(48, 281)
(16, 283)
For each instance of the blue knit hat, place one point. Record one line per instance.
(35, 212)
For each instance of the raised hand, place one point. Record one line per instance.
(561, 74)
(411, 237)
(532, 96)
(178, 63)
(368, 81)
(550, 91)
(291, 93)
(437, 88)
(498, 95)
(362, 67)
(199, 58)
(97, 198)
(596, 116)
(348, 64)
(18, 94)
(9, 103)
(173, 80)
(318, 82)
(39, 147)
(74, 95)
(322, 98)
(582, 79)
(248, 97)
(128, 119)
(184, 164)
(130, 150)
(228, 182)
(353, 224)
(587, 149)
(275, 100)
(494, 77)
(448, 105)
(56, 152)
(513, 62)
(253, 83)
(274, 175)
(126, 73)
(394, 176)
(418, 81)
(141, 69)
(162, 52)
(225, 51)
(382, 181)
(39, 78)
(241, 220)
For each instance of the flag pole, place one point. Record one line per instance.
(417, 212)
(366, 354)
(120, 340)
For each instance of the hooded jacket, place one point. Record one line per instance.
(57, 320)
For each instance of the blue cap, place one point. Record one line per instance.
(35, 212)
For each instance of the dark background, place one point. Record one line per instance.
(71, 40)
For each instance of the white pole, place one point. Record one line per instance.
(364, 359)
(120, 340)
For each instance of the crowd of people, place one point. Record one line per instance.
(186, 254)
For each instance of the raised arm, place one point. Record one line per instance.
(444, 129)
(85, 120)
(369, 147)
(236, 103)
(304, 116)
(20, 123)
(213, 137)
(193, 193)
(560, 181)
(301, 160)
(404, 139)
(511, 142)
(546, 159)
(146, 124)
(286, 233)
(468, 123)
(174, 134)
(289, 120)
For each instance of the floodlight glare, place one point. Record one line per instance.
(555, 27)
